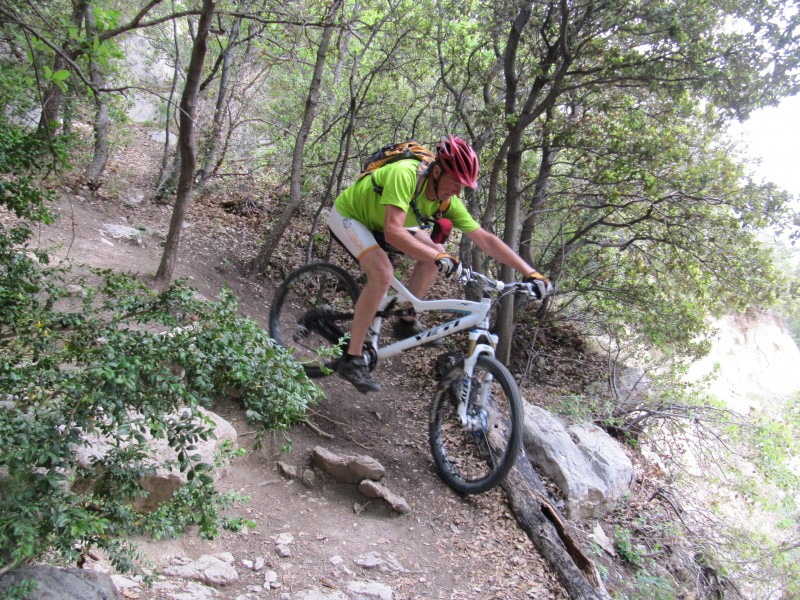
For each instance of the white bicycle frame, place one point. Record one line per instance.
(471, 315)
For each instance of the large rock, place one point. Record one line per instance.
(123, 232)
(215, 570)
(161, 485)
(586, 464)
(54, 583)
(348, 468)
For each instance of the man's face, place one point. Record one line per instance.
(448, 186)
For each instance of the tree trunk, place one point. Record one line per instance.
(340, 163)
(51, 103)
(54, 96)
(261, 261)
(505, 317)
(209, 163)
(165, 174)
(101, 119)
(539, 194)
(186, 144)
(545, 527)
(344, 141)
(551, 146)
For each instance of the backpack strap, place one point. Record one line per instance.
(423, 221)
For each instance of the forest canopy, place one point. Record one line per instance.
(599, 124)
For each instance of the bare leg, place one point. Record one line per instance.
(424, 272)
(379, 273)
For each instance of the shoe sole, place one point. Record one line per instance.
(374, 387)
(364, 390)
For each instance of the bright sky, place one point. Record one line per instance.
(773, 135)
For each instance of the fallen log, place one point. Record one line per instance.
(543, 523)
(545, 527)
(535, 512)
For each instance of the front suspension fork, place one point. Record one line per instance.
(470, 406)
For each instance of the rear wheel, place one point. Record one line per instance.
(477, 457)
(311, 315)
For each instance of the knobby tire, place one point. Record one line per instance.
(475, 462)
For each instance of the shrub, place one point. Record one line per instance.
(99, 354)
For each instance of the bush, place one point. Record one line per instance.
(94, 353)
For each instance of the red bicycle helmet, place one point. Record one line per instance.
(459, 159)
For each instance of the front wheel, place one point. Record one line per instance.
(476, 457)
(311, 315)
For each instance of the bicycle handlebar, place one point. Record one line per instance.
(487, 284)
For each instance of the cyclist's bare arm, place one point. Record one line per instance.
(499, 250)
(399, 237)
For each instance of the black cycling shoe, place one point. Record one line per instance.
(355, 370)
(405, 329)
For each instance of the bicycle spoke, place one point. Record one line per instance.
(311, 314)
(477, 457)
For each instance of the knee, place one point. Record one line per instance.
(381, 277)
(386, 276)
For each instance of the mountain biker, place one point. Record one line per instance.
(360, 210)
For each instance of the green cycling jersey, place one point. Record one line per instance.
(361, 202)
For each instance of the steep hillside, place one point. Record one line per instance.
(448, 547)
(756, 361)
